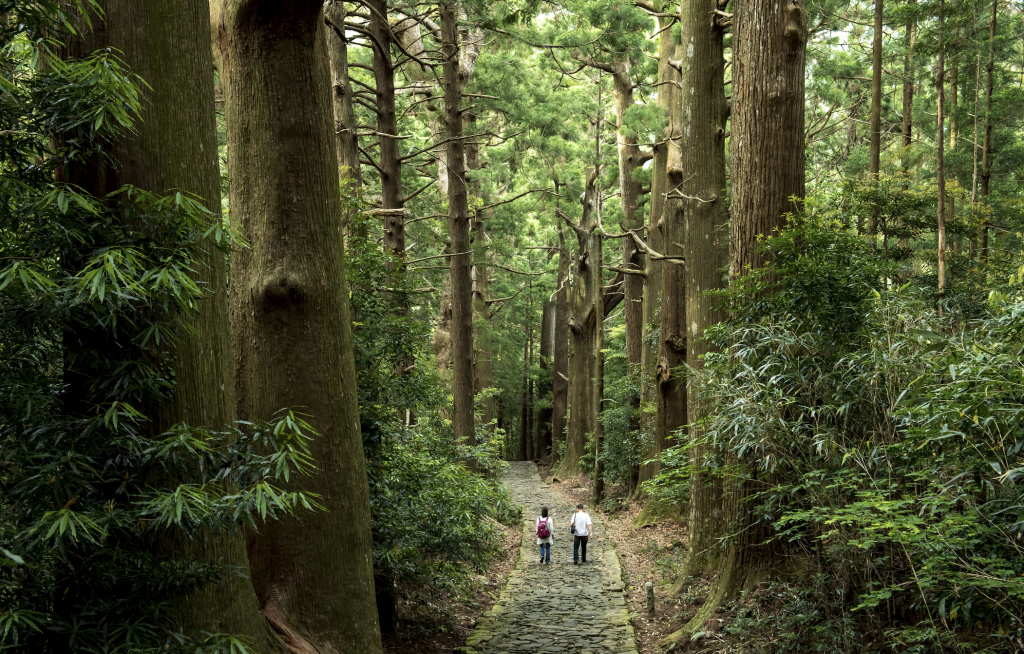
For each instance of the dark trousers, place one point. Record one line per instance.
(579, 543)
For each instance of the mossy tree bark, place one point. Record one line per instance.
(767, 165)
(174, 147)
(702, 148)
(291, 322)
(669, 376)
(668, 101)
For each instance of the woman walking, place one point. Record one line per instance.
(545, 535)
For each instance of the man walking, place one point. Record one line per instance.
(581, 526)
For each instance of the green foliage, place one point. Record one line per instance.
(97, 503)
(887, 440)
(432, 515)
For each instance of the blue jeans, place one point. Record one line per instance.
(545, 552)
(578, 543)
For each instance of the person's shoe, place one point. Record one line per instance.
(575, 562)
(542, 559)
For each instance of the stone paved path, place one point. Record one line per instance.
(558, 608)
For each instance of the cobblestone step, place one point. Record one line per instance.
(558, 608)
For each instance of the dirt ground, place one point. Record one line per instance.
(437, 625)
(652, 553)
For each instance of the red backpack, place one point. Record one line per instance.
(542, 528)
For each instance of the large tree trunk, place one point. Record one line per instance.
(560, 373)
(458, 233)
(174, 148)
(767, 165)
(669, 386)
(582, 326)
(668, 101)
(767, 142)
(704, 113)
(290, 319)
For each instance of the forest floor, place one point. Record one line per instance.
(650, 553)
(436, 624)
(556, 607)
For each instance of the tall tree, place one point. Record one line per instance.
(547, 337)
(767, 164)
(458, 230)
(582, 327)
(560, 367)
(986, 148)
(174, 147)
(940, 153)
(630, 159)
(290, 318)
(702, 146)
(345, 137)
(876, 106)
(668, 102)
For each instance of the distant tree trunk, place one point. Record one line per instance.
(703, 121)
(174, 148)
(291, 322)
(463, 421)
(483, 366)
(908, 103)
(582, 328)
(525, 453)
(632, 256)
(907, 127)
(986, 148)
(531, 432)
(387, 127)
(954, 84)
(629, 194)
(908, 90)
(940, 162)
(876, 107)
(560, 370)
(345, 138)
(547, 337)
(598, 401)
(668, 101)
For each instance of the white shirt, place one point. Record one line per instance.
(582, 521)
(551, 528)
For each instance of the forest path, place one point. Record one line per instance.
(559, 608)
